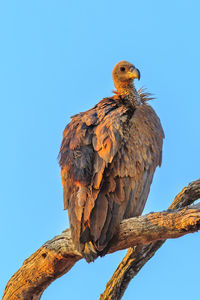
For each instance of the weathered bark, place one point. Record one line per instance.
(57, 256)
(136, 258)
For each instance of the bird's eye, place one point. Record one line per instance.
(122, 69)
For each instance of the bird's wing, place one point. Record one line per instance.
(90, 142)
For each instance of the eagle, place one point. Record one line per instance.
(108, 157)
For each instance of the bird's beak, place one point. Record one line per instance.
(135, 73)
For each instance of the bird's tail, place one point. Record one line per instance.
(89, 252)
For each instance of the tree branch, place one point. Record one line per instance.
(136, 258)
(57, 256)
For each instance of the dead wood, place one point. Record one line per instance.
(57, 256)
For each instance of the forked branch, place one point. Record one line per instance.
(136, 258)
(57, 256)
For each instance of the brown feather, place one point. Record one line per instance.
(108, 157)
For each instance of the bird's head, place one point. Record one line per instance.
(123, 75)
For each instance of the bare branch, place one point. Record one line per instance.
(136, 258)
(57, 256)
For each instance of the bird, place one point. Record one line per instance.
(108, 157)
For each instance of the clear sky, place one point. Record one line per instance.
(56, 59)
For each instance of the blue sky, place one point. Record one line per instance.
(56, 59)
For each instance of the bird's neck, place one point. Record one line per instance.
(130, 95)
